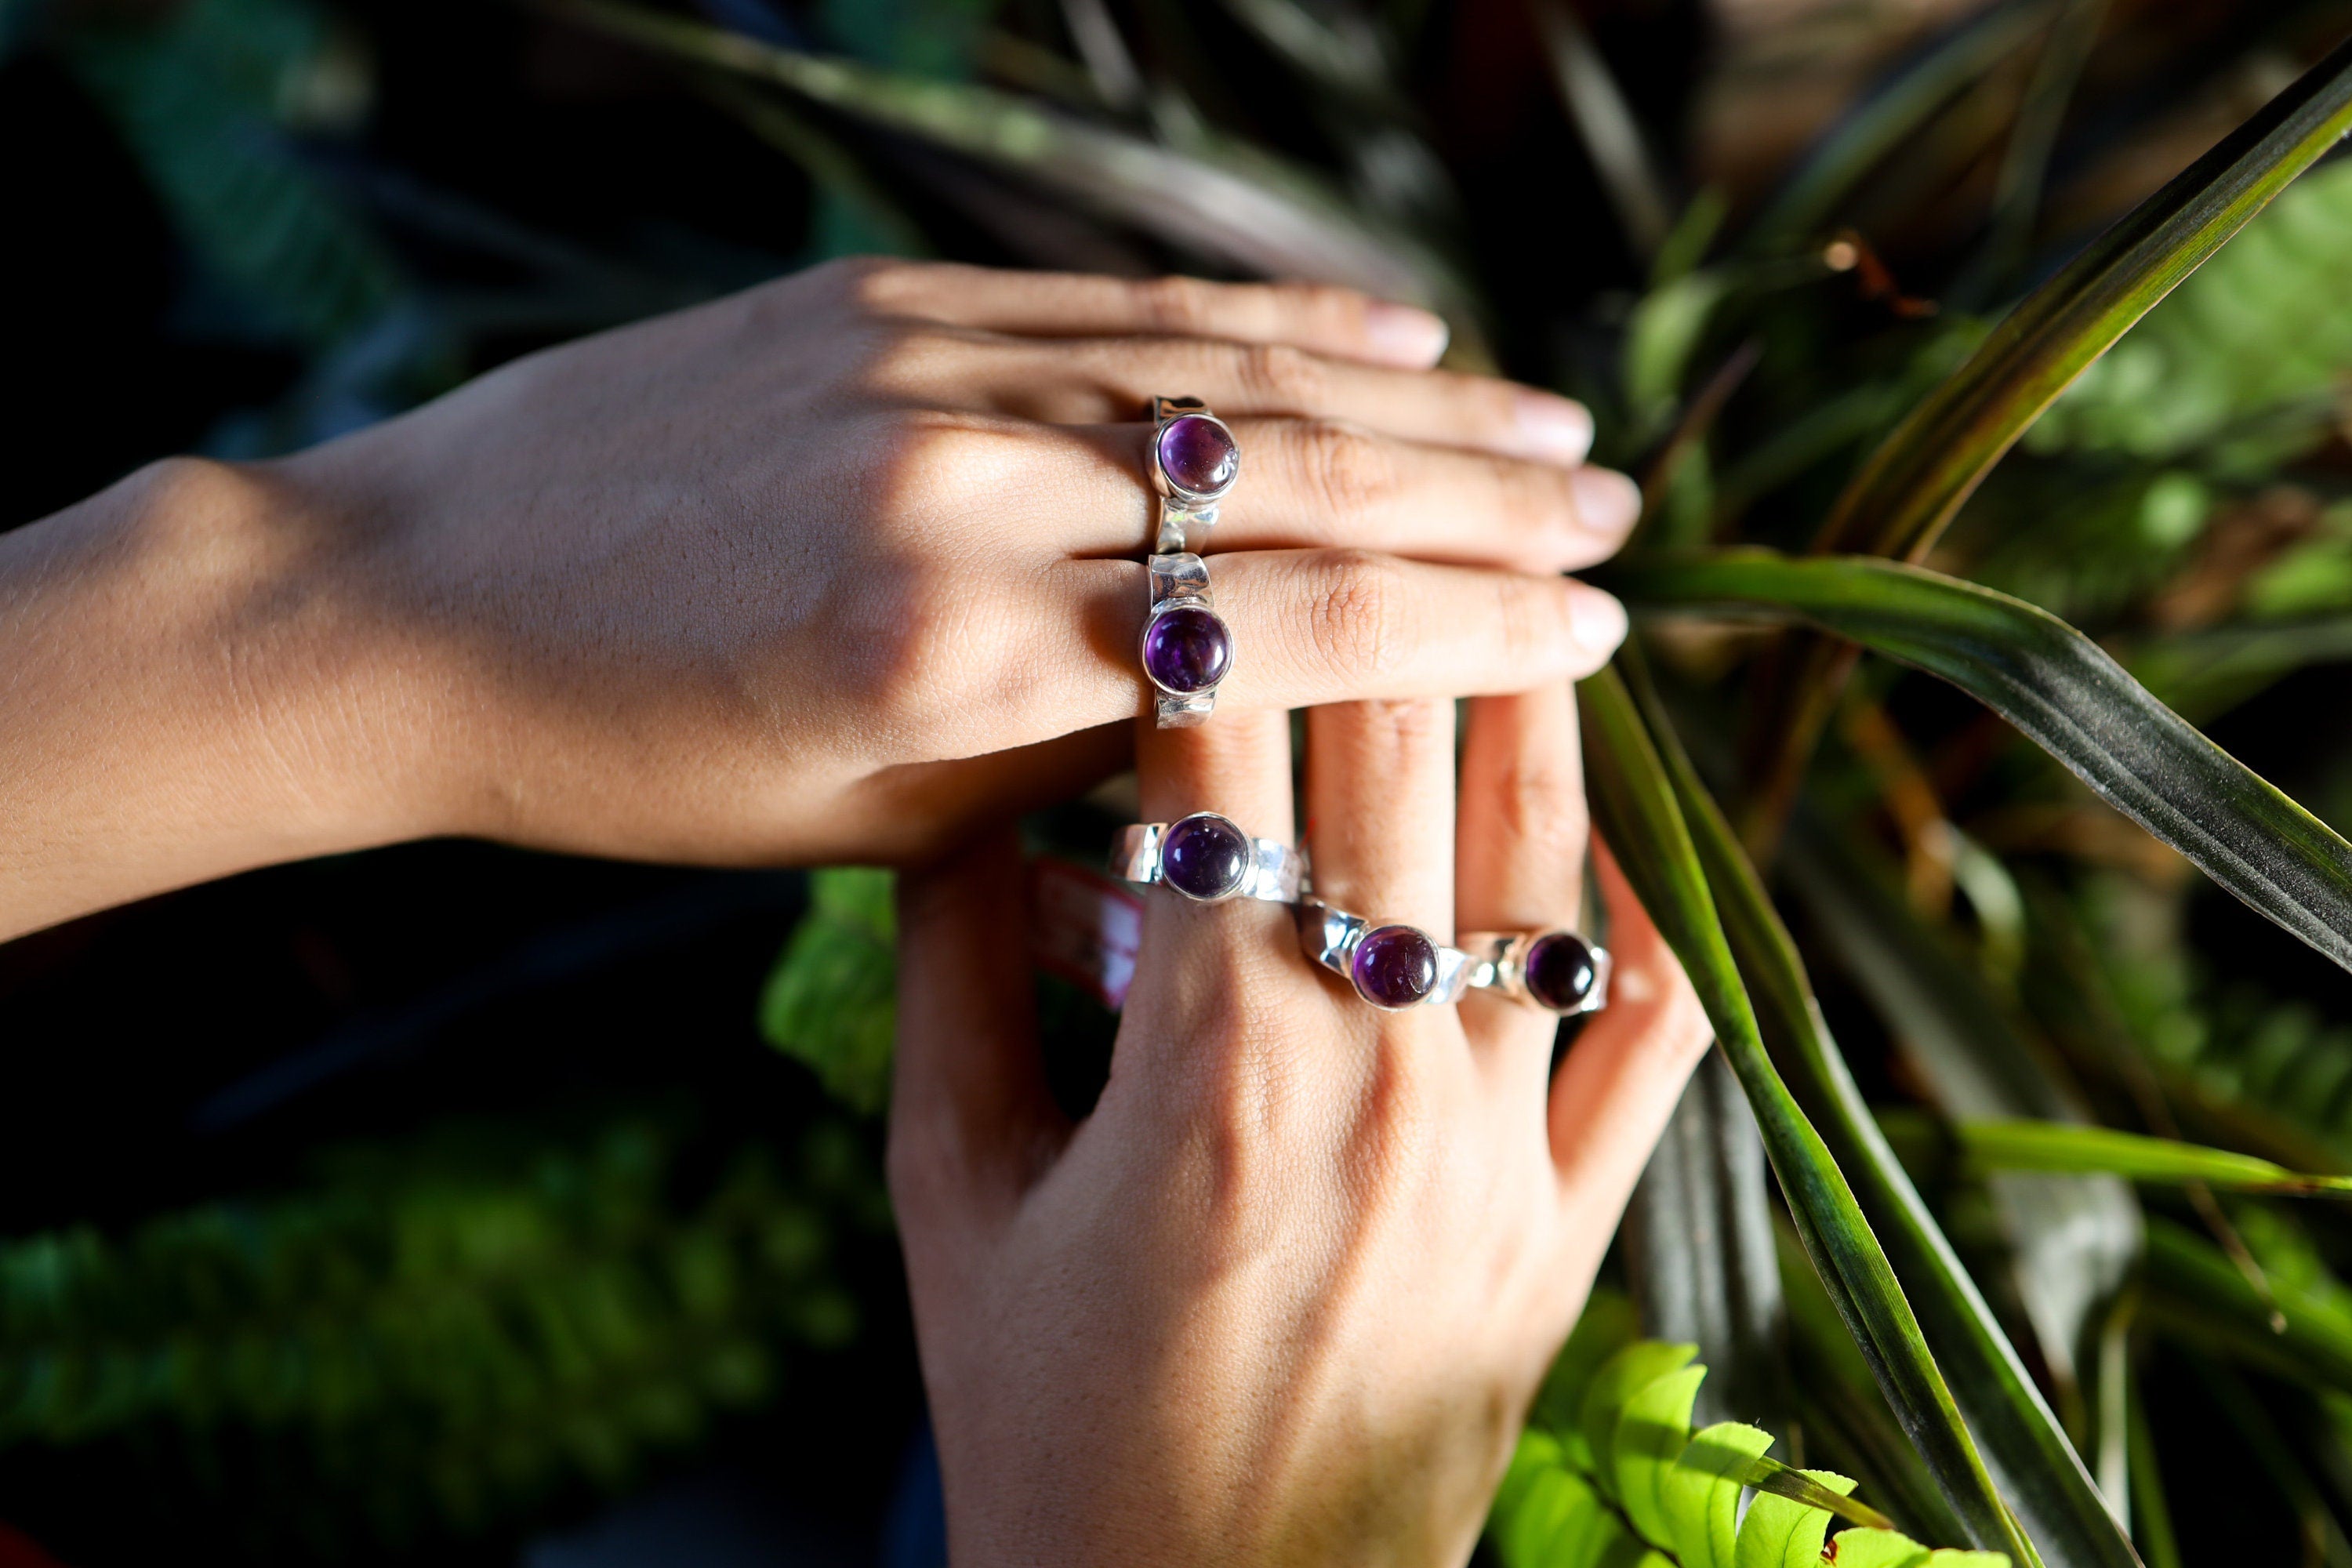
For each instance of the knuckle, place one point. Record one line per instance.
(1282, 379)
(1343, 470)
(874, 285)
(1541, 806)
(1362, 613)
(1176, 306)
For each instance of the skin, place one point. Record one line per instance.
(1286, 1295)
(848, 568)
(823, 572)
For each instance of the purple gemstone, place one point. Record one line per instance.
(1204, 856)
(1187, 649)
(1560, 970)
(1395, 966)
(1198, 455)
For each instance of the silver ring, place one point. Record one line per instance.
(1187, 648)
(1557, 971)
(1194, 462)
(1390, 966)
(1208, 858)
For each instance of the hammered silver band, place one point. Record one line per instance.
(1335, 940)
(1269, 869)
(1499, 961)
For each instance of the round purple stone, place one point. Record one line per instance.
(1205, 856)
(1395, 966)
(1187, 649)
(1559, 971)
(1198, 455)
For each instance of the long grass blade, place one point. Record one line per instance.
(2194, 1287)
(2065, 693)
(1909, 490)
(2074, 1239)
(2016, 1144)
(1240, 208)
(1910, 97)
(1699, 1253)
(2037, 1470)
(1636, 808)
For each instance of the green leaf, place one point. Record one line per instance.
(2070, 697)
(194, 97)
(1700, 1495)
(1635, 805)
(830, 1001)
(1699, 1249)
(2023, 1146)
(1913, 485)
(1650, 1434)
(1865, 137)
(2194, 1287)
(1607, 1325)
(2038, 1470)
(1620, 1377)
(2074, 1239)
(1779, 1533)
(1876, 1549)
(1245, 208)
(2255, 330)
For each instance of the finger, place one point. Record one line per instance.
(1318, 317)
(971, 1120)
(1519, 850)
(1308, 627)
(1196, 960)
(1625, 1072)
(1380, 809)
(1104, 381)
(1306, 483)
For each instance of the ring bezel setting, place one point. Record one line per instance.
(1388, 966)
(1207, 463)
(1263, 869)
(1557, 971)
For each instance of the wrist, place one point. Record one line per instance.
(191, 694)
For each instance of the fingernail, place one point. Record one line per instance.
(1553, 428)
(1607, 503)
(1595, 620)
(1405, 334)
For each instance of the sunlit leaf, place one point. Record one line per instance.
(1910, 489)
(2069, 697)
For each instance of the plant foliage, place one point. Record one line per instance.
(1610, 1474)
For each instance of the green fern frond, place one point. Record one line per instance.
(1610, 1474)
(440, 1333)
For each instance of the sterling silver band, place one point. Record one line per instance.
(1499, 960)
(1272, 870)
(1181, 509)
(1333, 938)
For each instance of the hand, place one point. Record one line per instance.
(824, 570)
(816, 572)
(1286, 1295)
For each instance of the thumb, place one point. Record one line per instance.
(972, 1123)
